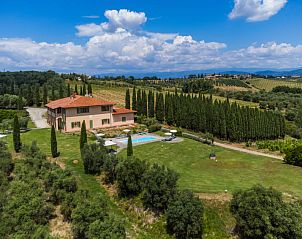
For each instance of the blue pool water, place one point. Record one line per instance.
(140, 140)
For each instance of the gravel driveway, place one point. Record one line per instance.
(36, 115)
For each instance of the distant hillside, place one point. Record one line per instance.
(262, 72)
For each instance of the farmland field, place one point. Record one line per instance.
(269, 84)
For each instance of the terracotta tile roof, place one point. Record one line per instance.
(118, 111)
(77, 101)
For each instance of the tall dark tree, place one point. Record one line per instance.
(139, 106)
(45, 94)
(53, 95)
(89, 89)
(76, 89)
(53, 143)
(151, 104)
(83, 137)
(16, 135)
(81, 90)
(144, 104)
(134, 101)
(61, 91)
(127, 99)
(68, 90)
(129, 146)
(37, 98)
(84, 89)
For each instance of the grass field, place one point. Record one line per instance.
(269, 84)
(233, 171)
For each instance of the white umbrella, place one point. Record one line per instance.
(126, 131)
(109, 143)
(173, 131)
(168, 134)
(100, 135)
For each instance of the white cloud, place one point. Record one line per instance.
(122, 19)
(126, 47)
(91, 17)
(256, 10)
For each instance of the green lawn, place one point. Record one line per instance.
(234, 170)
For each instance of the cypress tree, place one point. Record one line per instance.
(127, 99)
(84, 89)
(53, 143)
(68, 90)
(150, 104)
(37, 98)
(45, 94)
(144, 104)
(139, 102)
(53, 96)
(89, 89)
(83, 138)
(61, 92)
(30, 97)
(16, 135)
(81, 90)
(129, 146)
(134, 102)
(76, 89)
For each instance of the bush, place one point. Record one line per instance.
(159, 186)
(109, 169)
(129, 179)
(93, 156)
(112, 227)
(154, 128)
(294, 156)
(185, 216)
(261, 213)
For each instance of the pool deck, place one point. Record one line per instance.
(122, 142)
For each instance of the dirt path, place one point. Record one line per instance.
(227, 146)
(36, 115)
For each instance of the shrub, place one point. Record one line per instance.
(261, 213)
(185, 216)
(129, 178)
(154, 128)
(109, 169)
(93, 156)
(294, 156)
(159, 186)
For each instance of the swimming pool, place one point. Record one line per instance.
(140, 140)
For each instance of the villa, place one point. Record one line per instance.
(67, 114)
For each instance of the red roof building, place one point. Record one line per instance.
(68, 114)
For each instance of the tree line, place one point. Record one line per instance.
(225, 120)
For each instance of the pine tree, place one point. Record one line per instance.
(127, 99)
(53, 143)
(134, 102)
(83, 138)
(129, 146)
(45, 94)
(16, 135)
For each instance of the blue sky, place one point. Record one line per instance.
(194, 35)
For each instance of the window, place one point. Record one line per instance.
(105, 107)
(75, 125)
(83, 110)
(59, 110)
(124, 119)
(91, 124)
(105, 121)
